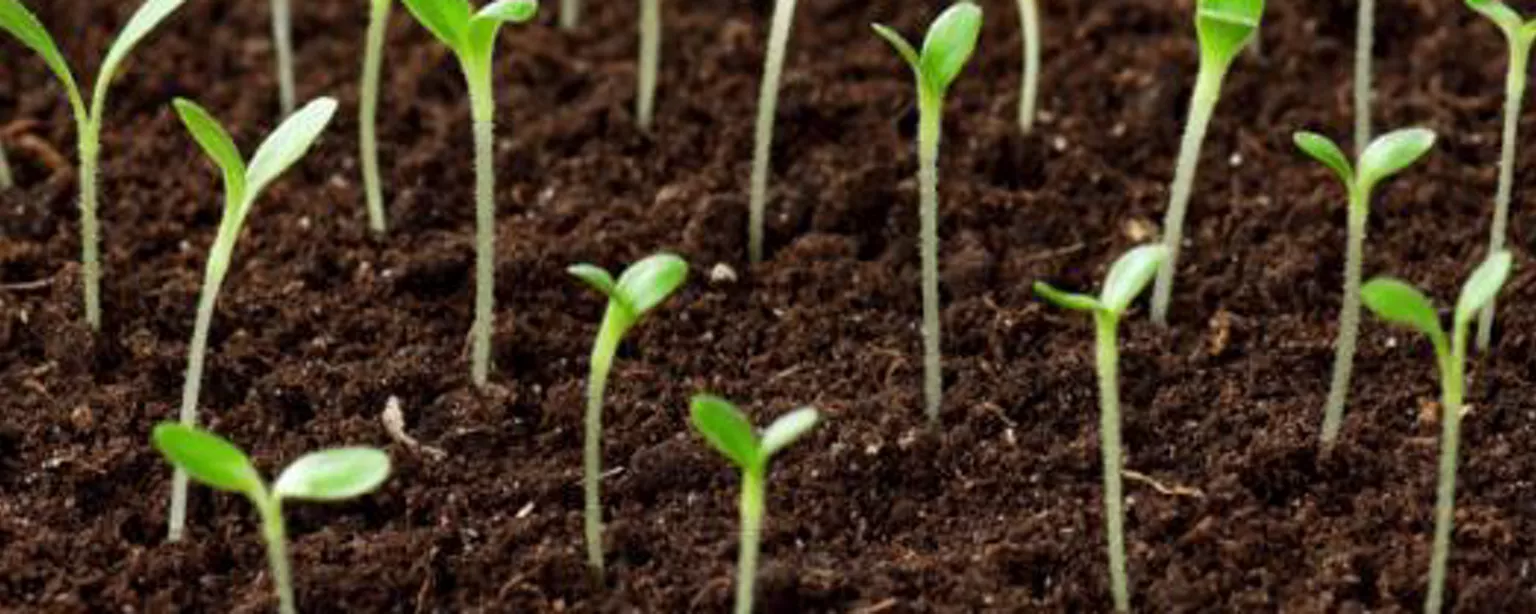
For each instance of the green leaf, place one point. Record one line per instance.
(509, 11)
(1324, 150)
(1392, 152)
(1484, 284)
(1499, 13)
(215, 141)
(1130, 275)
(949, 44)
(1399, 303)
(594, 276)
(725, 428)
(288, 144)
(1226, 26)
(149, 15)
(23, 25)
(448, 20)
(901, 46)
(208, 458)
(333, 475)
(647, 283)
(786, 430)
(1066, 300)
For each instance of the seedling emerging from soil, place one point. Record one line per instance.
(329, 475)
(1029, 22)
(1385, 157)
(767, 105)
(642, 287)
(282, 41)
(367, 113)
(22, 24)
(1128, 277)
(472, 37)
(1519, 34)
(1402, 304)
(650, 61)
(1224, 28)
(729, 431)
(949, 44)
(242, 184)
(1365, 26)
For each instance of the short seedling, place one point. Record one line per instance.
(948, 46)
(642, 287)
(1365, 26)
(1519, 34)
(242, 185)
(650, 62)
(1402, 304)
(1385, 157)
(282, 42)
(23, 25)
(767, 106)
(367, 113)
(729, 431)
(1029, 90)
(329, 475)
(1128, 277)
(1224, 28)
(472, 37)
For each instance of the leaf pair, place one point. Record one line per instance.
(1400, 303)
(1388, 155)
(729, 431)
(1128, 277)
(328, 475)
(1510, 22)
(1224, 27)
(642, 286)
(469, 33)
(948, 46)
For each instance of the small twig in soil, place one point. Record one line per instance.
(45, 153)
(1172, 491)
(883, 606)
(25, 286)
(394, 424)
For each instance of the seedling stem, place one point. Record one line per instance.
(767, 107)
(1107, 326)
(650, 60)
(6, 180)
(367, 124)
(1365, 25)
(570, 14)
(1514, 100)
(1201, 106)
(282, 39)
(1029, 18)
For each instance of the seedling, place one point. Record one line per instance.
(282, 41)
(242, 184)
(1029, 24)
(1385, 157)
(1402, 304)
(1519, 34)
(1128, 277)
(650, 60)
(642, 287)
(1365, 27)
(367, 113)
(472, 37)
(22, 24)
(329, 475)
(1224, 28)
(948, 46)
(729, 431)
(767, 106)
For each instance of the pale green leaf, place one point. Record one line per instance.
(1066, 300)
(1399, 303)
(786, 430)
(594, 276)
(207, 458)
(725, 428)
(1129, 275)
(950, 42)
(1390, 153)
(215, 141)
(509, 11)
(1483, 286)
(901, 46)
(149, 15)
(286, 145)
(1324, 150)
(647, 283)
(448, 20)
(22, 24)
(1224, 27)
(1499, 13)
(333, 475)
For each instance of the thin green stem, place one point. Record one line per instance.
(1202, 103)
(930, 128)
(1451, 397)
(192, 386)
(90, 233)
(592, 453)
(276, 536)
(483, 105)
(6, 180)
(650, 59)
(1029, 17)
(1349, 318)
(753, 493)
(767, 106)
(367, 124)
(1108, 354)
(282, 40)
(1365, 28)
(1514, 96)
(570, 14)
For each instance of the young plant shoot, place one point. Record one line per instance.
(1385, 157)
(282, 42)
(1128, 277)
(472, 37)
(948, 46)
(242, 184)
(650, 61)
(1224, 27)
(1365, 27)
(642, 287)
(1402, 304)
(22, 24)
(1029, 23)
(767, 106)
(729, 431)
(1519, 34)
(367, 113)
(329, 475)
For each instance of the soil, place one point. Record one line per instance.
(320, 323)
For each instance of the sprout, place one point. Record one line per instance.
(1385, 157)
(767, 103)
(949, 44)
(728, 430)
(1029, 24)
(1519, 34)
(329, 475)
(650, 59)
(1128, 277)
(1402, 304)
(282, 40)
(1364, 30)
(367, 113)
(242, 184)
(642, 287)
(1224, 27)
(17, 20)
(472, 37)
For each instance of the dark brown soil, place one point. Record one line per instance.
(320, 323)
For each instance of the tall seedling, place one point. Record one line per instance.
(650, 62)
(1029, 89)
(948, 46)
(22, 24)
(1224, 27)
(242, 184)
(367, 113)
(472, 37)
(282, 42)
(767, 106)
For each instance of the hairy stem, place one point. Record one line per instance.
(367, 123)
(483, 105)
(650, 59)
(6, 180)
(1202, 104)
(1349, 320)
(753, 487)
(1365, 26)
(930, 128)
(592, 452)
(1029, 17)
(282, 40)
(90, 233)
(213, 278)
(1108, 355)
(273, 532)
(1514, 96)
(767, 105)
(1451, 388)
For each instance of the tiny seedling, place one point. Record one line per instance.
(329, 475)
(946, 49)
(1128, 277)
(729, 431)
(367, 113)
(1365, 27)
(1029, 89)
(767, 105)
(242, 184)
(1385, 157)
(1403, 305)
(1224, 27)
(22, 24)
(471, 35)
(282, 42)
(642, 287)
(650, 62)
(1519, 34)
